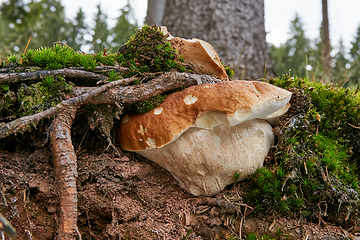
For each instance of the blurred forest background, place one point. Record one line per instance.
(45, 23)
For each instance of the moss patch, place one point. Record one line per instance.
(148, 105)
(314, 168)
(60, 56)
(42, 95)
(149, 51)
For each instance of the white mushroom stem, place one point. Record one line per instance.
(204, 161)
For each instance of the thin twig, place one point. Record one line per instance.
(354, 126)
(27, 45)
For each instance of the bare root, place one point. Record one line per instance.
(65, 170)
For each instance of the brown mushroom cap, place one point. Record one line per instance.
(206, 106)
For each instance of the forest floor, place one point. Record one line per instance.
(127, 197)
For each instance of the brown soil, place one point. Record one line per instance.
(127, 197)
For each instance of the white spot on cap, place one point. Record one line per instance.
(125, 119)
(142, 130)
(151, 143)
(190, 99)
(158, 110)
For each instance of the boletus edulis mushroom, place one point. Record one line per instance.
(206, 133)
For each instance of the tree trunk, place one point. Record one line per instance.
(235, 28)
(155, 12)
(326, 47)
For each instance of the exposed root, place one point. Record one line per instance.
(66, 171)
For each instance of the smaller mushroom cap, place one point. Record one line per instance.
(199, 53)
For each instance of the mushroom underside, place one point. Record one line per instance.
(204, 161)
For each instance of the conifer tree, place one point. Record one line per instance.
(354, 78)
(340, 67)
(125, 27)
(100, 32)
(77, 31)
(17, 22)
(292, 55)
(43, 21)
(314, 59)
(326, 46)
(51, 26)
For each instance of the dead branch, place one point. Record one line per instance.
(66, 72)
(163, 83)
(109, 94)
(19, 69)
(98, 69)
(65, 170)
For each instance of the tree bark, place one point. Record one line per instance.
(235, 28)
(155, 12)
(326, 47)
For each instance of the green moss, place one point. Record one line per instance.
(315, 166)
(151, 103)
(12, 58)
(229, 71)
(7, 102)
(254, 236)
(113, 76)
(148, 51)
(40, 96)
(61, 56)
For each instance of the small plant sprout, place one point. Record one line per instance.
(236, 177)
(12, 58)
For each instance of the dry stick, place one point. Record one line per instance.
(19, 124)
(65, 171)
(98, 69)
(163, 83)
(65, 72)
(27, 45)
